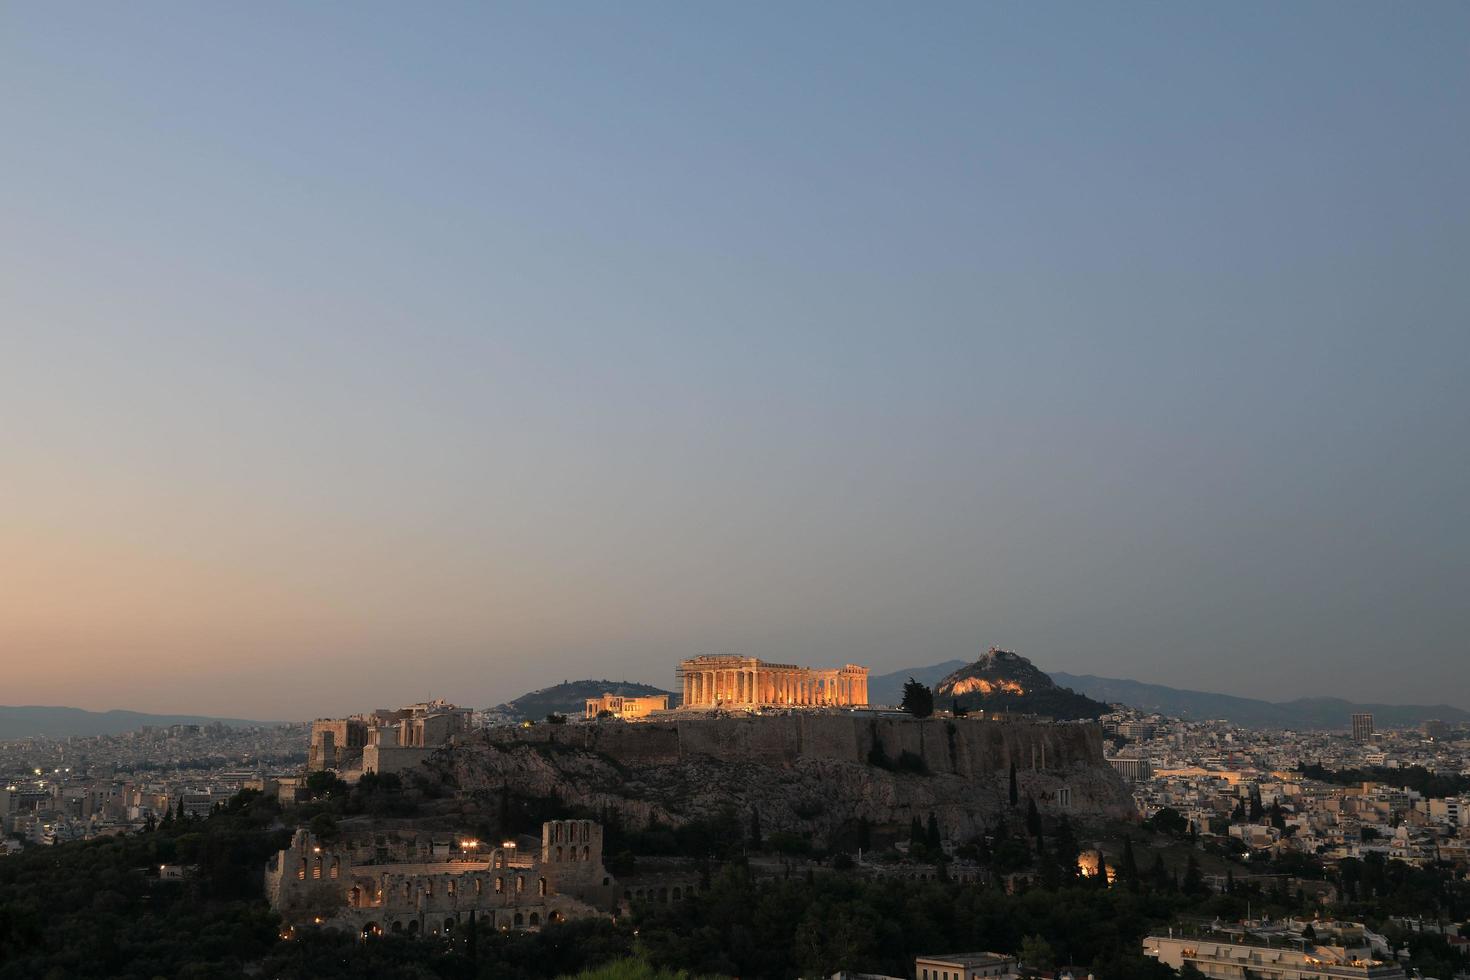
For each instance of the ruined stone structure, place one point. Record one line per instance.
(517, 885)
(746, 682)
(620, 706)
(384, 740)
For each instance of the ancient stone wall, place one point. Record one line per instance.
(806, 772)
(961, 746)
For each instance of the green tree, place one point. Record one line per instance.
(324, 826)
(1194, 882)
(918, 699)
(1037, 954)
(1128, 869)
(1015, 790)
(323, 784)
(1158, 875)
(1278, 816)
(1169, 821)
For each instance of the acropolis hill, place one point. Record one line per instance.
(812, 772)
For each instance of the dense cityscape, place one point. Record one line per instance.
(1292, 854)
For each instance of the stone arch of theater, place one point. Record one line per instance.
(748, 682)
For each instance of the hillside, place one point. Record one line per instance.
(806, 773)
(1002, 681)
(570, 697)
(1302, 713)
(28, 721)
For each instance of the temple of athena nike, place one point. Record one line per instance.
(746, 682)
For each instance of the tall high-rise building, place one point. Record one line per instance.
(1363, 727)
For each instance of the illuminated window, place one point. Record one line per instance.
(301, 871)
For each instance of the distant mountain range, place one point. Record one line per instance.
(1303, 713)
(26, 721)
(887, 689)
(570, 698)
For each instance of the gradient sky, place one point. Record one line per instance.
(353, 353)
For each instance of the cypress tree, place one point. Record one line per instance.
(1015, 790)
(1129, 868)
(1159, 875)
(931, 834)
(1194, 882)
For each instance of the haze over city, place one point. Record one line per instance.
(354, 360)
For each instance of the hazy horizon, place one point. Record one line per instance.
(351, 356)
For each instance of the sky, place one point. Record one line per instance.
(352, 354)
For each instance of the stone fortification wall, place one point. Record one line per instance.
(961, 746)
(805, 772)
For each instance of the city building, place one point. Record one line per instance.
(966, 966)
(619, 706)
(519, 884)
(1221, 958)
(1133, 770)
(746, 682)
(1363, 727)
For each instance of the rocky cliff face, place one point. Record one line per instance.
(811, 773)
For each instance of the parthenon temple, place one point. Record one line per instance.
(746, 682)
